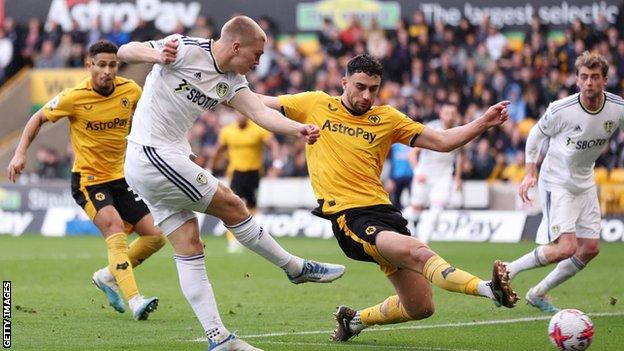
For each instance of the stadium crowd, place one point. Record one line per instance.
(425, 64)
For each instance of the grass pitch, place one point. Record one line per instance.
(55, 307)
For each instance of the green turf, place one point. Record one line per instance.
(60, 310)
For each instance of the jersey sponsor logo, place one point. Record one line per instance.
(608, 126)
(222, 89)
(585, 144)
(98, 126)
(184, 86)
(201, 99)
(358, 132)
(197, 97)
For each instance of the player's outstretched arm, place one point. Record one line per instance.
(16, 166)
(532, 152)
(247, 103)
(138, 52)
(270, 101)
(450, 139)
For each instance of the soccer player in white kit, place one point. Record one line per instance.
(579, 126)
(191, 75)
(433, 179)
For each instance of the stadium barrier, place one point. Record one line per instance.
(49, 209)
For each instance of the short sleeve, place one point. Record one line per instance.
(406, 130)
(182, 48)
(296, 106)
(550, 123)
(62, 105)
(137, 95)
(238, 82)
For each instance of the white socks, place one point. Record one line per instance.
(565, 270)
(356, 325)
(254, 237)
(533, 259)
(484, 289)
(106, 276)
(198, 292)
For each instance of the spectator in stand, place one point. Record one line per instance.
(482, 160)
(6, 54)
(117, 35)
(48, 58)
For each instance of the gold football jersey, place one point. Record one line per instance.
(245, 146)
(345, 164)
(98, 126)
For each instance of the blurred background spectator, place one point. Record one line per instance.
(425, 64)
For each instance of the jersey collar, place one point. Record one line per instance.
(216, 65)
(351, 111)
(604, 101)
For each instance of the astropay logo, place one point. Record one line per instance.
(165, 14)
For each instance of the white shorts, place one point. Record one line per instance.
(170, 183)
(564, 212)
(435, 191)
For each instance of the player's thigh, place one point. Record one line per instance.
(588, 225)
(108, 221)
(560, 211)
(227, 206)
(414, 292)
(167, 178)
(357, 229)
(132, 209)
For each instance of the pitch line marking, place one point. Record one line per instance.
(418, 327)
(359, 346)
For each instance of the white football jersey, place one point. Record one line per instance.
(174, 95)
(433, 162)
(577, 137)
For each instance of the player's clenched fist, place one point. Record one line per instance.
(169, 52)
(310, 132)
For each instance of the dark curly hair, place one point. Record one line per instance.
(364, 63)
(101, 46)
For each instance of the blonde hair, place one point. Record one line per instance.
(242, 29)
(592, 60)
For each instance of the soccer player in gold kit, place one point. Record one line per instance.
(244, 141)
(99, 110)
(345, 166)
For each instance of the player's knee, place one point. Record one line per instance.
(565, 250)
(235, 209)
(421, 310)
(110, 226)
(588, 251)
(419, 251)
